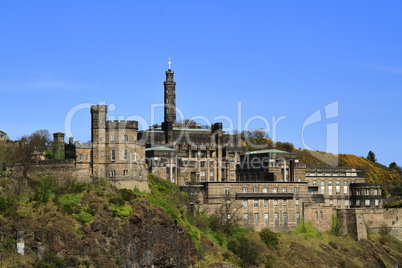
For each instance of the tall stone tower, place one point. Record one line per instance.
(170, 98)
(98, 137)
(170, 106)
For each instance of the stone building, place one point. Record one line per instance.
(3, 136)
(184, 152)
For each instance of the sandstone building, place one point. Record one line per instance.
(265, 189)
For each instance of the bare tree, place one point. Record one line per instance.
(227, 214)
(28, 150)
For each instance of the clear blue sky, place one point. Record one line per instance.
(288, 58)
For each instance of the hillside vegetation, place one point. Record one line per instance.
(95, 225)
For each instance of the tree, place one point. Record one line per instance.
(256, 139)
(393, 165)
(227, 215)
(371, 157)
(28, 150)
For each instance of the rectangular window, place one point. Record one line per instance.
(275, 202)
(255, 203)
(265, 190)
(80, 157)
(283, 189)
(202, 173)
(245, 203)
(266, 216)
(346, 203)
(297, 202)
(375, 192)
(232, 172)
(296, 190)
(276, 215)
(358, 203)
(275, 190)
(284, 202)
(232, 163)
(256, 216)
(367, 202)
(265, 202)
(339, 203)
(125, 172)
(112, 138)
(314, 182)
(227, 190)
(367, 191)
(255, 190)
(112, 155)
(376, 202)
(245, 216)
(125, 156)
(285, 216)
(211, 173)
(331, 202)
(202, 164)
(244, 190)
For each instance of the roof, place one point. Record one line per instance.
(268, 151)
(161, 148)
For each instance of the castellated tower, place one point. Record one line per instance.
(98, 137)
(116, 154)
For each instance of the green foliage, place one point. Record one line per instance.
(51, 260)
(285, 146)
(127, 194)
(270, 238)
(121, 211)
(394, 204)
(335, 225)
(249, 249)
(166, 196)
(51, 154)
(70, 200)
(84, 217)
(307, 229)
(46, 186)
(8, 206)
(371, 157)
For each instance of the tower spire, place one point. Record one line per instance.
(169, 64)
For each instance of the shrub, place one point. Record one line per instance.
(70, 200)
(45, 187)
(270, 238)
(84, 217)
(335, 226)
(127, 194)
(307, 229)
(384, 229)
(121, 211)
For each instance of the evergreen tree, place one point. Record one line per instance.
(371, 157)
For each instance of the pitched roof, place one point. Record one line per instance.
(267, 151)
(161, 148)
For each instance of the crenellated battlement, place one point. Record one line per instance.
(116, 124)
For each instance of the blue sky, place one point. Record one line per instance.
(283, 60)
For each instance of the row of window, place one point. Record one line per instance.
(113, 138)
(366, 191)
(266, 202)
(337, 183)
(125, 155)
(327, 174)
(113, 173)
(266, 190)
(256, 216)
(367, 202)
